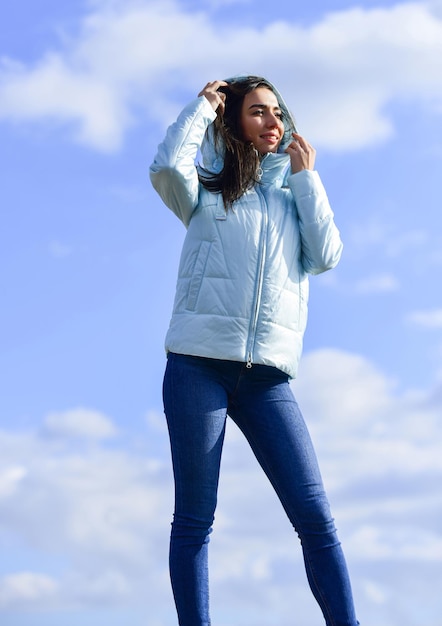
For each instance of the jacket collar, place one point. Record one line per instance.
(274, 167)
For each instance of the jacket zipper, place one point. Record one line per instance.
(261, 263)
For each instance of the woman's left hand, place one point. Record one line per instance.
(302, 154)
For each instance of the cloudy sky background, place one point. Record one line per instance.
(88, 264)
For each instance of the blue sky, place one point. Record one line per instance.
(88, 264)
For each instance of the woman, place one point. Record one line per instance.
(258, 222)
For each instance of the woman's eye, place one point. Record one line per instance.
(260, 113)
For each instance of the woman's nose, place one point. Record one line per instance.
(272, 120)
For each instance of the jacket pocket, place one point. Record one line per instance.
(198, 274)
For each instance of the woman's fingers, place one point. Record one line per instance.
(215, 97)
(302, 154)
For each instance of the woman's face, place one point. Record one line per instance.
(261, 121)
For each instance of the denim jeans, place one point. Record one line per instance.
(198, 395)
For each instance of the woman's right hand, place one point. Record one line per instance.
(216, 98)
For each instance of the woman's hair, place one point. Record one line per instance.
(241, 159)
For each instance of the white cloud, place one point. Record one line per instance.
(343, 390)
(79, 422)
(10, 478)
(54, 91)
(26, 590)
(431, 319)
(375, 231)
(375, 592)
(340, 73)
(379, 283)
(105, 512)
(370, 438)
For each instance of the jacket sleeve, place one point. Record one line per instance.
(173, 172)
(320, 238)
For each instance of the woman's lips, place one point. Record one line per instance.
(271, 137)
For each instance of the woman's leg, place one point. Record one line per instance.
(195, 405)
(266, 411)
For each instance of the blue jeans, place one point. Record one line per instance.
(198, 395)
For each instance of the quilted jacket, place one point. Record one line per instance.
(242, 287)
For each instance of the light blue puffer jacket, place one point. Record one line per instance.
(242, 286)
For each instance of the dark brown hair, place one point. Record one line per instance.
(241, 160)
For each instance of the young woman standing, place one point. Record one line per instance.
(258, 223)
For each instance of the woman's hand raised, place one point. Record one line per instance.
(215, 97)
(302, 154)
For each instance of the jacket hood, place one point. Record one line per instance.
(213, 156)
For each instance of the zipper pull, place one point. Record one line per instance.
(249, 361)
(259, 171)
